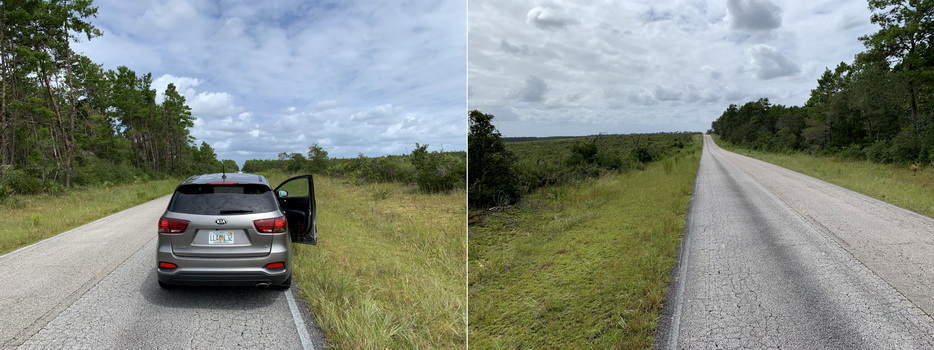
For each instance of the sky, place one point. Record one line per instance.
(264, 77)
(567, 68)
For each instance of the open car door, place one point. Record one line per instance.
(297, 199)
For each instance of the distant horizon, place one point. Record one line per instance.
(564, 67)
(607, 134)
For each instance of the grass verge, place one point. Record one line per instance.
(583, 265)
(893, 183)
(32, 218)
(388, 271)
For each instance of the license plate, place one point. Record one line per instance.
(221, 237)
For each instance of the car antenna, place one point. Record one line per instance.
(224, 171)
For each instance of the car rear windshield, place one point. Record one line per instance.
(223, 199)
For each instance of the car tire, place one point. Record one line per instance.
(284, 285)
(165, 285)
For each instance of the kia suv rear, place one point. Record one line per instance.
(233, 229)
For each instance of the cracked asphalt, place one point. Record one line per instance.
(775, 259)
(95, 287)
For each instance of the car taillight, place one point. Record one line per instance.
(275, 265)
(167, 265)
(275, 225)
(167, 225)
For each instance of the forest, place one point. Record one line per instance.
(65, 121)
(878, 107)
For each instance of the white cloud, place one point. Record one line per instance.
(754, 15)
(517, 49)
(184, 85)
(645, 66)
(259, 75)
(533, 91)
(664, 94)
(712, 72)
(169, 14)
(643, 97)
(768, 63)
(548, 18)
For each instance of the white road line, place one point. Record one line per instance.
(299, 322)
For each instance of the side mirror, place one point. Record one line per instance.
(283, 193)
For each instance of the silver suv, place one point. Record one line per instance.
(233, 230)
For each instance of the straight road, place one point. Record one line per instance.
(775, 259)
(95, 287)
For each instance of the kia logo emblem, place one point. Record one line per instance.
(220, 221)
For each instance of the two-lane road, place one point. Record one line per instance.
(95, 287)
(775, 259)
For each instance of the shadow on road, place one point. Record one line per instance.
(228, 298)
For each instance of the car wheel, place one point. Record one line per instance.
(165, 285)
(284, 285)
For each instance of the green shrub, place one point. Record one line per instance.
(642, 154)
(92, 171)
(879, 152)
(437, 172)
(20, 181)
(905, 147)
(583, 152)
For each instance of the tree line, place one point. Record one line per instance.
(878, 107)
(65, 121)
(435, 171)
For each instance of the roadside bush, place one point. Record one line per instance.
(19, 181)
(612, 161)
(363, 169)
(879, 152)
(392, 169)
(5, 191)
(642, 154)
(583, 153)
(854, 152)
(437, 172)
(533, 174)
(905, 147)
(93, 171)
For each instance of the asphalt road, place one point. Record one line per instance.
(775, 259)
(95, 287)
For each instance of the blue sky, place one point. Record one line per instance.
(265, 77)
(563, 67)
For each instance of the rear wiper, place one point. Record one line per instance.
(236, 211)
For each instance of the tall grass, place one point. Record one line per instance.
(580, 266)
(388, 271)
(28, 219)
(903, 185)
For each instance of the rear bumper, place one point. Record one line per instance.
(222, 271)
(220, 279)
